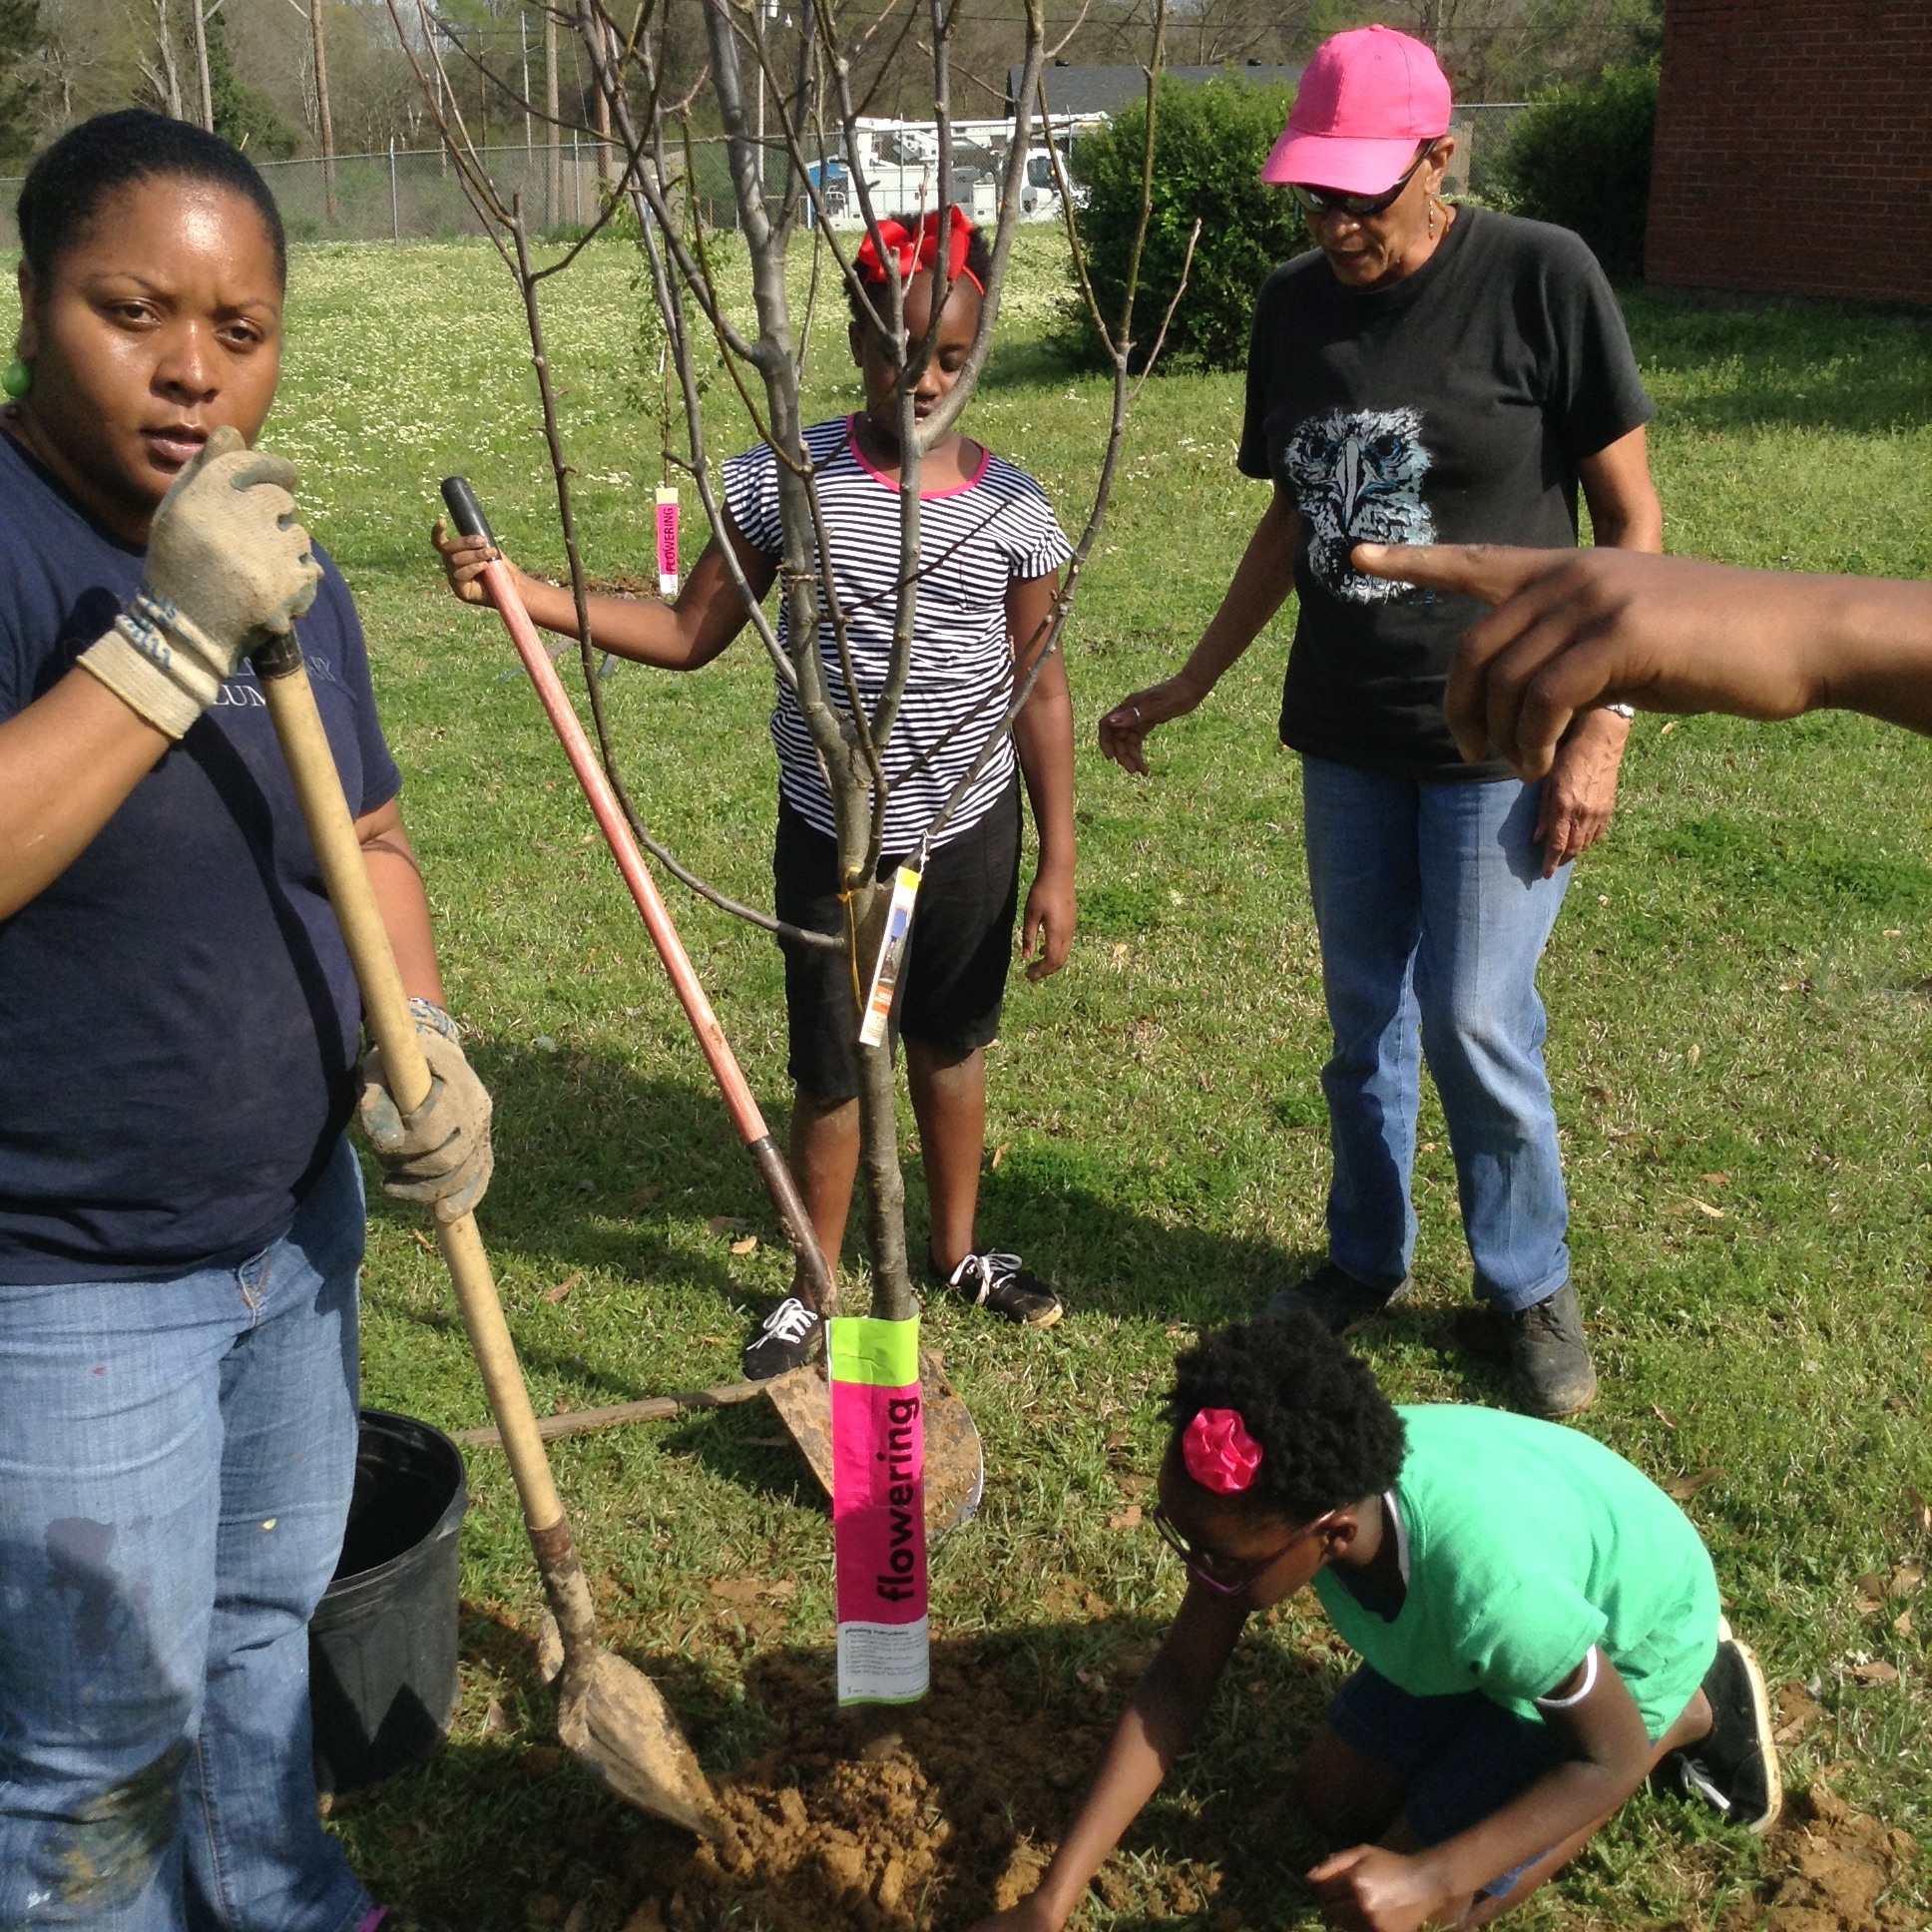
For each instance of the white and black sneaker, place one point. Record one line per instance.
(1002, 1285)
(1734, 1769)
(784, 1340)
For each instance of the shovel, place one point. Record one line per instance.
(609, 1714)
(955, 1470)
(803, 1397)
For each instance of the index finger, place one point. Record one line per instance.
(1336, 1863)
(1488, 572)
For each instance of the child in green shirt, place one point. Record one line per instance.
(1538, 1625)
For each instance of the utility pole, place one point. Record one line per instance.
(605, 173)
(555, 206)
(523, 42)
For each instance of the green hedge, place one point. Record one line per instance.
(1580, 155)
(1211, 138)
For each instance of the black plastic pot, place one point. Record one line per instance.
(382, 1643)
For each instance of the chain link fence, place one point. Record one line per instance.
(415, 195)
(1481, 129)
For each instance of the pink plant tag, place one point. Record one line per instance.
(668, 579)
(879, 1510)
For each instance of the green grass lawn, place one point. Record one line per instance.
(1740, 1023)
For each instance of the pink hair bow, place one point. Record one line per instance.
(1218, 1452)
(917, 247)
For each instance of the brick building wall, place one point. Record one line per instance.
(1795, 148)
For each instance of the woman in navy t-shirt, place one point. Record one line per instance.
(180, 1218)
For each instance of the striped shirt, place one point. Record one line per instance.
(974, 541)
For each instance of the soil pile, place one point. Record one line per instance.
(1829, 1870)
(934, 1824)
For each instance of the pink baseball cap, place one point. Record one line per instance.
(1368, 100)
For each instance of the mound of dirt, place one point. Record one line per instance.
(932, 1823)
(1830, 1869)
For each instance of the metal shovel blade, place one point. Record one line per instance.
(630, 1740)
(955, 1466)
(635, 1746)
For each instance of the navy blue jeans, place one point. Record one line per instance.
(1433, 913)
(176, 1463)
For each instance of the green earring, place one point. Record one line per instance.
(17, 379)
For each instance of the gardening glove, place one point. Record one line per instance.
(440, 1155)
(227, 567)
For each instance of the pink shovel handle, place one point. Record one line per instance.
(502, 590)
(816, 1284)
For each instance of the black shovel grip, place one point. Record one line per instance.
(465, 512)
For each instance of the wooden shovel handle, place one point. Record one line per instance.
(385, 1006)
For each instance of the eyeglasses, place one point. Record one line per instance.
(1329, 201)
(1207, 1568)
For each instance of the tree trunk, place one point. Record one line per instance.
(201, 64)
(325, 120)
(168, 79)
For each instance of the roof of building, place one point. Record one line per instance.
(1104, 90)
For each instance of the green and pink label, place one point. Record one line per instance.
(879, 1510)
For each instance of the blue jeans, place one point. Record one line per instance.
(176, 1463)
(1433, 913)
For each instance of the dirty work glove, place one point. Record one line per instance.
(227, 567)
(440, 1154)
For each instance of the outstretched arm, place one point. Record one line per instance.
(1166, 1705)
(1575, 628)
(682, 635)
(1042, 736)
(1263, 580)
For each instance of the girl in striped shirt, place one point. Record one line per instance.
(991, 552)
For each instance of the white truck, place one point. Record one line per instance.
(900, 160)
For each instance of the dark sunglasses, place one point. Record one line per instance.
(1207, 1568)
(1330, 201)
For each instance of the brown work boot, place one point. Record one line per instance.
(1549, 1357)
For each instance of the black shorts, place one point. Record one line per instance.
(953, 982)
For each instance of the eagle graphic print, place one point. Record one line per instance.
(1356, 476)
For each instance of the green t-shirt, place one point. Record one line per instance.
(1527, 1544)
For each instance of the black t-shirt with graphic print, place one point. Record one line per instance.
(1450, 408)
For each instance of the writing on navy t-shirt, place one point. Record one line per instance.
(178, 1020)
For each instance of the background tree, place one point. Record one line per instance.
(22, 76)
(1580, 155)
(244, 115)
(1209, 146)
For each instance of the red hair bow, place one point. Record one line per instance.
(1218, 1452)
(918, 248)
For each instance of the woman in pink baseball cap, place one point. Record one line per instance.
(1427, 373)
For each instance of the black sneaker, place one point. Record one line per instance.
(784, 1340)
(1001, 1284)
(1335, 1298)
(1555, 1377)
(1734, 1769)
